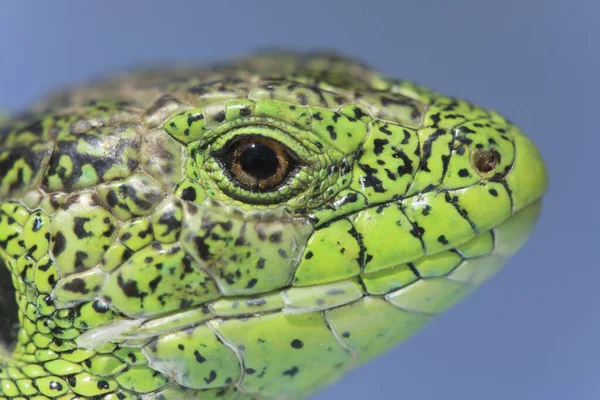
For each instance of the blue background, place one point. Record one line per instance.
(533, 332)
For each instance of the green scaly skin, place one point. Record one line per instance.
(142, 269)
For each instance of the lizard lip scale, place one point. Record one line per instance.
(252, 231)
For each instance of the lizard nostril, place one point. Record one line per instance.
(485, 160)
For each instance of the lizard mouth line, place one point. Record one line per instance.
(395, 284)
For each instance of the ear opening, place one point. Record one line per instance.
(9, 316)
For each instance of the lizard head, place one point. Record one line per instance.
(227, 229)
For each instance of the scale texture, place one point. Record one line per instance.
(252, 230)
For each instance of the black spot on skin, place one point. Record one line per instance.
(370, 180)
(442, 239)
(275, 237)
(291, 372)
(53, 385)
(193, 118)
(220, 116)
(464, 140)
(297, 344)
(126, 254)
(407, 167)
(260, 232)
(463, 129)
(379, 145)
(60, 244)
(251, 283)
(32, 249)
(309, 255)
(112, 198)
(37, 223)
(256, 302)
(45, 267)
(203, 248)
(130, 288)
(132, 357)
(199, 358)
(493, 192)
(302, 99)
(406, 136)
(102, 385)
(189, 194)
(80, 257)
(77, 285)
(226, 226)
(260, 264)
(332, 133)
(129, 192)
(346, 335)
(348, 199)
(48, 300)
(358, 113)
(100, 307)
(318, 116)
(427, 147)
(384, 129)
(417, 231)
(463, 173)
(212, 376)
(250, 371)
(154, 283)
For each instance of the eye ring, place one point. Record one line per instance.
(257, 163)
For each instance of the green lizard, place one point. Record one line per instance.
(253, 230)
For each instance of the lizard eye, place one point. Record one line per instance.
(257, 163)
(263, 165)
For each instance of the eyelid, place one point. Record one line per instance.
(296, 149)
(223, 149)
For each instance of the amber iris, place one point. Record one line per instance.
(258, 163)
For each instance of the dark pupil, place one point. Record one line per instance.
(259, 160)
